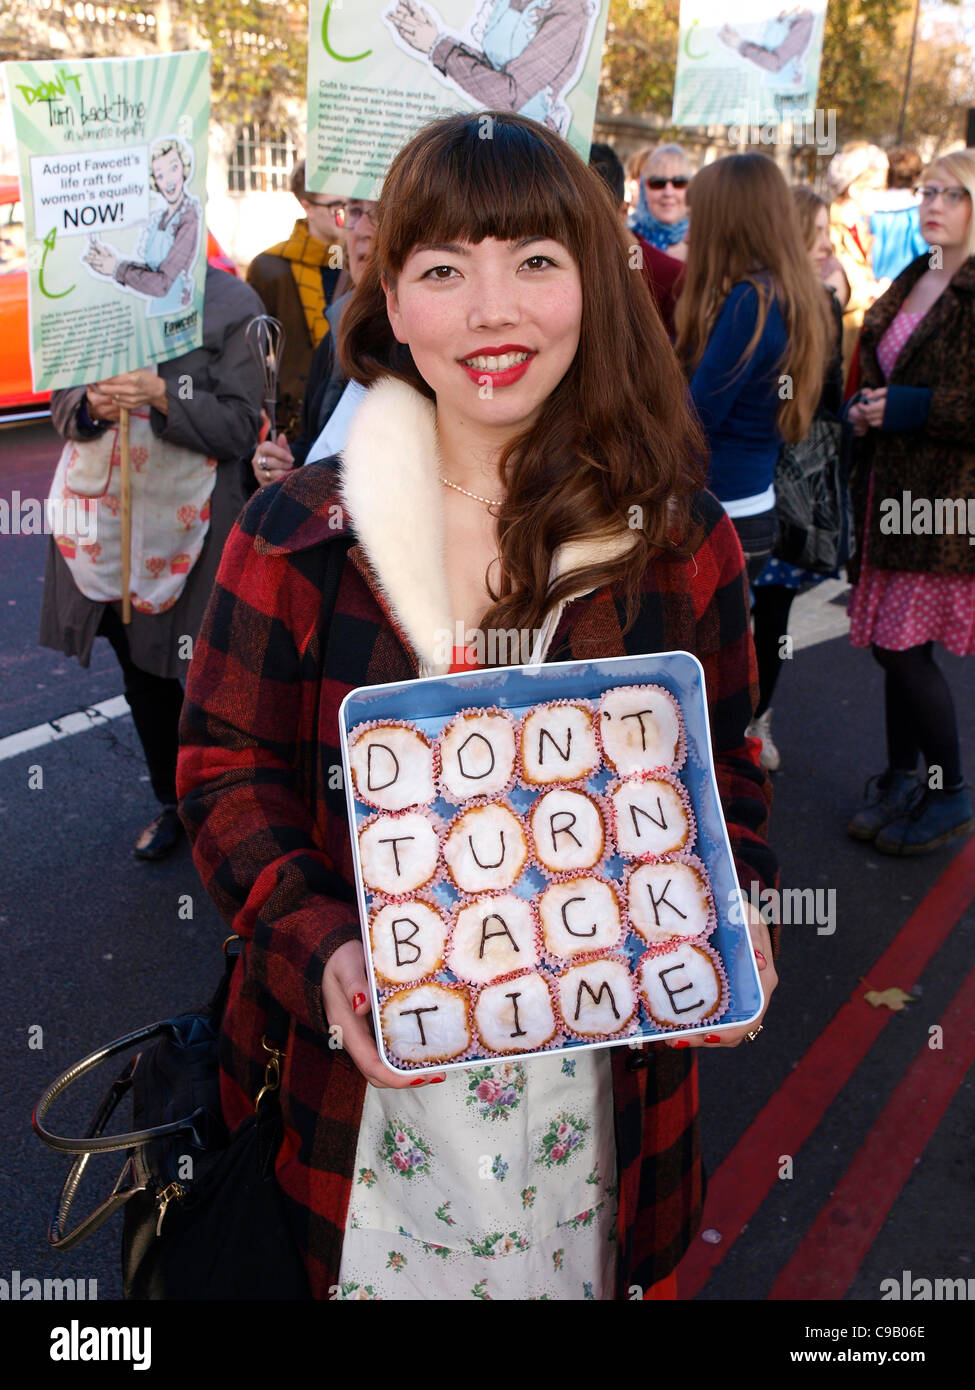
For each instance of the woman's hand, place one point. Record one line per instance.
(345, 994)
(101, 407)
(132, 390)
(415, 25)
(272, 462)
(101, 258)
(762, 946)
(874, 404)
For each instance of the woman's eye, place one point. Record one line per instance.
(537, 262)
(434, 273)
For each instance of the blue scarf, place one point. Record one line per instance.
(659, 234)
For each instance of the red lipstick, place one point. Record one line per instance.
(508, 376)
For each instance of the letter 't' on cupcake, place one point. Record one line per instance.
(650, 818)
(669, 900)
(597, 998)
(492, 937)
(681, 986)
(640, 729)
(567, 830)
(477, 754)
(579, 916)
(485, 849)
(398, 854)
(407, 941)
(558, 744)
(516, 1014)
(392, 767)
(430, 1023)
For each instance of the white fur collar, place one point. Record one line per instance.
(391, 489)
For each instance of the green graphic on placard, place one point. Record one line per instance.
(112, 156)
(378, 70)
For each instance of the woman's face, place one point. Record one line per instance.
(669, 203)
(493, 327)
(167, 170)
(821, 248)
(943, 221)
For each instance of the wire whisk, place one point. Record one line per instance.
(266, 339)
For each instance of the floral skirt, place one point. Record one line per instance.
(499, 1183)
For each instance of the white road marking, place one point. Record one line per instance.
(79, 722)
(814, 619)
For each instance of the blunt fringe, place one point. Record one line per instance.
(615, 444)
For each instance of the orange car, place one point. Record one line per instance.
(18, 399)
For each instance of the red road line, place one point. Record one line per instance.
(743, 1181)
(834, 1247)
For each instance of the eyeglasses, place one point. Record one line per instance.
(353, 213)
(657, 184)
(335, 206)
(952, 196)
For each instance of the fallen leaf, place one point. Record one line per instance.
(892, 998)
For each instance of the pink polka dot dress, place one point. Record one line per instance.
(898, 609)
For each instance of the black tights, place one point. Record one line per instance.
(770, 611)
(155, 702)
(920, 713)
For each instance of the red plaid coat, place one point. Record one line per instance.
(260, 731)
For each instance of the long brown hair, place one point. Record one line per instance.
(616, 433)
(745, 227)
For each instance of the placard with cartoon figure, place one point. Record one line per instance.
(112, 157)
(762, 67)
(380, 69)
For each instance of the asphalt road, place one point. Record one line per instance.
(95, 945)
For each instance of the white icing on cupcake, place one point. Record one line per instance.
(668, 900)
(516, 1015)
(567, 830)
(392, 768)
(477, 755)
(427, 1024)
(578, 916)
(650, 818)
(398, 854)
(640, 728)
(597, 998)
(407, 941)
(486, 849)
(680, 986)
(558, 744)
(491, 937)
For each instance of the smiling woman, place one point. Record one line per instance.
(524, 460)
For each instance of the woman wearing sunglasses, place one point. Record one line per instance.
(912, 485)
(522, 400)
(661, 212)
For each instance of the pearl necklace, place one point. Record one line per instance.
(488, 501)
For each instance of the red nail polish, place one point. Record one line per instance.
(358, 1000)
(434, 1080)
(420, 1081)
(761, 960)
(683, 1043)
(711, 1037)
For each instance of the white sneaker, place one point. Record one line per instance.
(761, 729)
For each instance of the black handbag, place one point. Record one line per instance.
(204, 1216)
(812, 500)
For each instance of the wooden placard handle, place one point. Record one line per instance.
(126, 491)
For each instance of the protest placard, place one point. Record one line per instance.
(112, 156)
(379, 69)
(763, 68)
